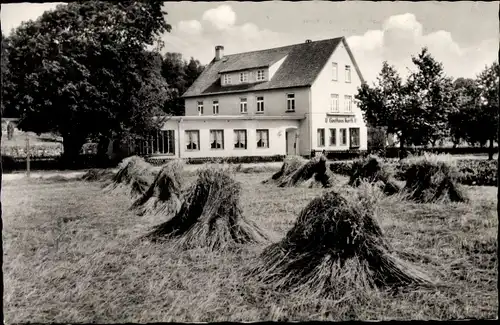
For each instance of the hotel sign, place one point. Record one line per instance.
(340, 120)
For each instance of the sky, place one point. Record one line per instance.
(463, 35)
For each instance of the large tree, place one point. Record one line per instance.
(179, 75)
(83, 70)
(487, 119)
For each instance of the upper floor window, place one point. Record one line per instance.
(262, 138)
(260, 75)
(243, 105)
(335, 71)
(240, 139)
(347, 73)
(192, 140)
(260, 104)
(227, 79)
(217, 139)
(334, 103)
(200, 108)
(243, 76)
(215, 107)
(348, 103)
(290, 102)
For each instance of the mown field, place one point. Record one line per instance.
(72, 254)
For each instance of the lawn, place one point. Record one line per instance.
(74, 254)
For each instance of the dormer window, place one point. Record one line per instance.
(227, 79)
(260, 75)
(243, 76)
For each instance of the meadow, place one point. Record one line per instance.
(73, 254)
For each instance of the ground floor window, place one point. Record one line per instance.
(321, 137)
(158, 143)
(333, 137)
(217, 139)
(193, 140)
(262, 138)
(354, 137)
(240, 139)
(343, 137)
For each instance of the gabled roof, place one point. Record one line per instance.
(302, 65)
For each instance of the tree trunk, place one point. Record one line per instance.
(71, 146)
(402, 149)
(491, 151)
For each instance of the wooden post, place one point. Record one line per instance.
(27, 156)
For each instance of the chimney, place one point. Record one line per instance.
(308, 41)
(219, 52)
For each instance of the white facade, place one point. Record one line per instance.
(293, 120)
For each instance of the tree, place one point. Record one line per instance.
(383, 104)
(82, 70)
(487, 119)
(179, 75)
(431, 99)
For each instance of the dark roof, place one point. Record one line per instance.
(302, 65)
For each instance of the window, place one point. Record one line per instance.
(227, 79)
(343, 137)
(158, 143)
(192, 140)
(215, 107)
(321, 137)
(243, 76)
(290, 102)
(347, 73)
(354, 137)
(217, 139)
(200, 108)
(240, 139)
(260, 75)
(335, 71)
(262, 138)
(348, 103)
(333, 137)
(243, 105)
(334, 103)
(260, 104)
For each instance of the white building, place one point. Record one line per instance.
(283, 101)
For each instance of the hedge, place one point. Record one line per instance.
(220, 160)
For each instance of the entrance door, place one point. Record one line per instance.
(291, 138)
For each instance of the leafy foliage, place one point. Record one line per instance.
(82, 70)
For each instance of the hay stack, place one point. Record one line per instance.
(372, 170)
(210, 216)
(297, 171)
(335, 248)
(97, 175)
(134, 177)
(430, 178)
(163, 196)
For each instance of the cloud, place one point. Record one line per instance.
(192, 27)
(402, 36)
(221, 17)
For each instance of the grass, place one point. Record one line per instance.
(72, 254)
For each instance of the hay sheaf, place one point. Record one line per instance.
(430, 178)
(297, 171)
(133, 178)
(97, 175)
(164, 195)
(210, 216)
(335, 249)
(373, 170)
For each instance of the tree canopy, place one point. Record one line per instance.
(83, 70)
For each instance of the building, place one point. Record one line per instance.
(289, 100)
